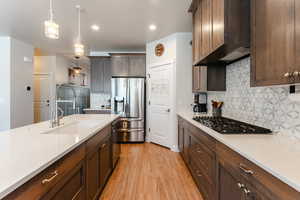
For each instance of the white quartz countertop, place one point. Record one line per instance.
(26, 151)
(278, 153)
(96, 109)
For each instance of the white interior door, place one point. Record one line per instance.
(42, 92)
(160, 108)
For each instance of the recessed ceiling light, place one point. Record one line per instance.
(95, 27)
(152, 27)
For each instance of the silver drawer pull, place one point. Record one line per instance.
(198, 173)
(246, 191)
(241, 186)
(48, 180)
(245, 170)
(199, 151)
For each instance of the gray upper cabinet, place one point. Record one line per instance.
(100, 75)
(128, 65)
(137, 65)
(120, 65)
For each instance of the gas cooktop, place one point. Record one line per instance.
(229, 126)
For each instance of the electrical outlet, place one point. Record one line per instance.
(295, 95)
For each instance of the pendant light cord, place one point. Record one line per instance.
(51, 10)
(79, 24)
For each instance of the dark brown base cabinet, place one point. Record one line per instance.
(80, 175)
(223, 174)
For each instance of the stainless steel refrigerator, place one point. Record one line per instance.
(128, 99)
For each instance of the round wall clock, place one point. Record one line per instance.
(159, 50)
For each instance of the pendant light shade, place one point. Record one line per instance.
(51, 28)
(79, 49)
(78, 46)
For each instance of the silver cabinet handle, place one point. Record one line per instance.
(198, 173)
(48, 180)
(246, 191)
(241, 186)
(287, 75)
(245, 170)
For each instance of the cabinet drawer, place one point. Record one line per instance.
(203, 137)
(263, 181)
(95, 141)
(37, 187)
(203, 184)
(204, 159)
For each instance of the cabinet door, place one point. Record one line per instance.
(137, 65)
(186, 145)
(251, 193)
(116, 147)
(97, 77)
(217, 23)
(297, 42)
(197, 34)
(105, 162)
(273, 41)
(120, 65)
(107, 76)
(206, 27)
(228, 186)
(180, 136)
(199, 79)
(93, 177)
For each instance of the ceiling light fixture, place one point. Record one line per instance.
(78, 46)
(51, 28)
(77, 70)
(152, 27)
(95, 27)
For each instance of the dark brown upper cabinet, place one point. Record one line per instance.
(212, 78)
(275, 42)
(221, 30)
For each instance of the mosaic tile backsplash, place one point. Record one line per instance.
(269, 107)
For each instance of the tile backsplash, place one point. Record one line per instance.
(99, 99)
(269, 107)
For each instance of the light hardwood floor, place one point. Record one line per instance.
(150, 172)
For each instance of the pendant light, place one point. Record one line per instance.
(78, 46)
(51, 28)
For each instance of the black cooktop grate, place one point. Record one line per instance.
(229, 126)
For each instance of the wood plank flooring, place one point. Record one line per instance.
(150, 172)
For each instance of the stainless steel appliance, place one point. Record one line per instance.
(128, 99)
(72, 99)
(200, 106)
(230, 126)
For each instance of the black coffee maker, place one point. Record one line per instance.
(200, 107)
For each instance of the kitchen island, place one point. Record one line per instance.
(37, 151)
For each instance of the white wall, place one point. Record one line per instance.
(177, 50)
(22, 77)
(184, 62)
(16, 102)
(5, 83)
(169, 53)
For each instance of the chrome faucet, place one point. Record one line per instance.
(55, 117)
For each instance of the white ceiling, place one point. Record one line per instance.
(124, 23)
